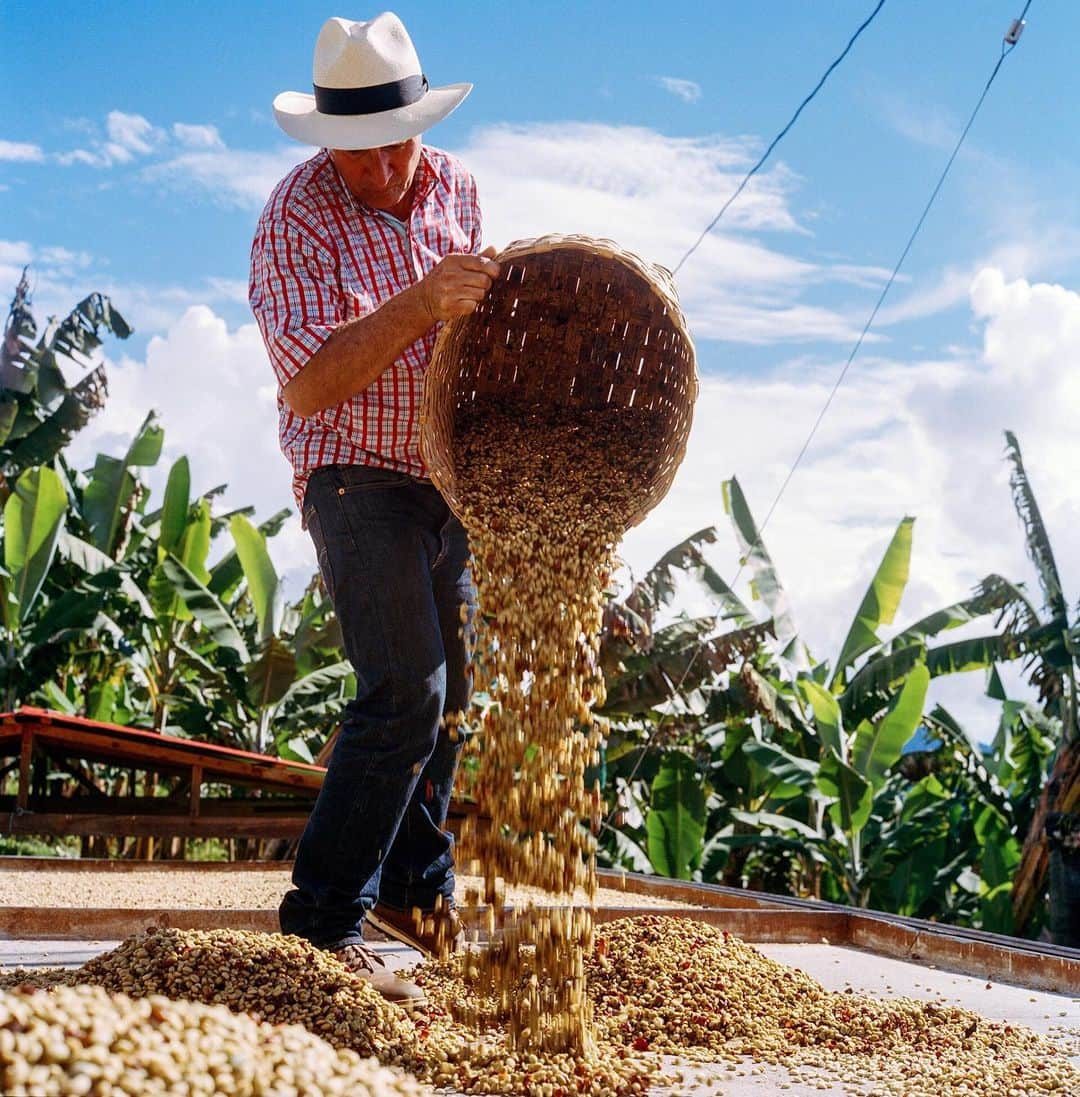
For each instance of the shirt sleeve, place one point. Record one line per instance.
(476, 235)
(294, 293)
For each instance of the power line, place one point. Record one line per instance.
(1009, 43)
(1006, 49)
(777, 139)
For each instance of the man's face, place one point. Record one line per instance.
(380, 177)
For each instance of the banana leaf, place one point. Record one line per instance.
(227, 572)
(113, 491)
(271, 674)
(206, 609)
(878, 745)
(764, 582)
(850, 792)
(9, 408)
(195, 541)
(875, 683)
(39, 441)
(879, 604)
(294, 749)
(1036, 536)
(626, 854)
(993, 594)
(657, 589)
(675, 823)
(174, 510)
(792, 776)
(759, 819)
(262, 579)
(34, 516)
(316, 683)
(757, 693)
(680, 660)
(73, 613)
(95, 562)
(827, 717)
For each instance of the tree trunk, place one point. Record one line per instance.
(1062, 793)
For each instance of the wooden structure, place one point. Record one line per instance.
(219, 791)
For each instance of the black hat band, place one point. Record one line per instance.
(372, 100)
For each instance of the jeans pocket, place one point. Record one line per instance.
(354, 478)
(311, 516)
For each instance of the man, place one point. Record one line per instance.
(361, 252)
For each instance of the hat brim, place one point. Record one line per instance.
(297, 116)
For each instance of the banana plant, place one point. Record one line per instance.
(39, 411)
(280, 678)
(114, 493)
(764, 581)
(798, 766)
(1051, 645)
(38, 626)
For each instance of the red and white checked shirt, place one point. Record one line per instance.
(321, 257)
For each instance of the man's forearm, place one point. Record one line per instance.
(358, 352)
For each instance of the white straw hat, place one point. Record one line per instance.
(369, 89)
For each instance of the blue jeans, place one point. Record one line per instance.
(395, 563)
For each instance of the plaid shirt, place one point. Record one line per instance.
(319, 258)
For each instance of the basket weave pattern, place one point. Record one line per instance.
(571, 321)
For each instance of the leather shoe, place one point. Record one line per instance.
(370, 966)
(435, 933)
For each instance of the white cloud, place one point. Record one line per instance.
(83, 156)
(922, 438)
(187, 155)
(15, 253)
(21, 152)
(923, 122)
(60, 278)
(127, 136)
(197, 137)
(233, 177)
(63, 260)
(654, 194)
(230, 289)
(687, 90)
(131, 133)
(651, 192)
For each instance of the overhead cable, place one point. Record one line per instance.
(777, 139)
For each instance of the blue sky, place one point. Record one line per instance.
(863, 156)
(137, 144)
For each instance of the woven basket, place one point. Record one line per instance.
(572, 321)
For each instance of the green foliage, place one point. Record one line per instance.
(259, 572)
(818, 779)
(880, 603)
(112, 609)
(877, 747)
(675, 824)
(39, 411)
(27, 846)
(33, 519)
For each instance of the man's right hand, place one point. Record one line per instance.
(457, 284)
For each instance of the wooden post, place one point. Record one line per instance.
(22, 798)
(196, 789)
